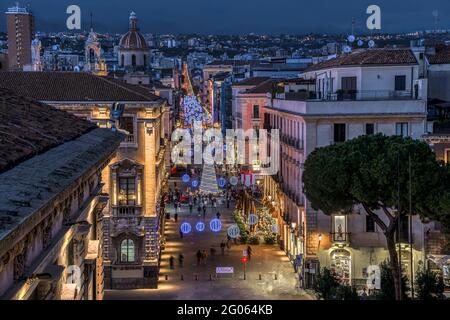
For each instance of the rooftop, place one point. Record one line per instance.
(72, 86)
(368, 57)
(254, 81)
(264, 87)
(28, 128)
(30, 186)
(232, 63)
(440, 57)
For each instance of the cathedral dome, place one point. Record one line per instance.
(133, 40)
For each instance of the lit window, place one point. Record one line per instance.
(127, 253)
(127, 191)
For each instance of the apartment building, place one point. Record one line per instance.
(365, 92)
(20, 26)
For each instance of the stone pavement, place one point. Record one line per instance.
(278, 280)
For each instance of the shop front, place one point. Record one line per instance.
(341, 265)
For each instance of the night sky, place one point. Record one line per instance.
(238, 16)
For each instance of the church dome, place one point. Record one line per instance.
(133, 40)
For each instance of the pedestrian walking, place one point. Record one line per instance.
(190, 207)
(249, 252)
(199, 257)
(171, 261)
(204, 256)
(181, 260)
(218, 215)
(176, 217)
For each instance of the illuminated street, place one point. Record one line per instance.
(278, 280)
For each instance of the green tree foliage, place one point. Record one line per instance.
(328, 287)
(369, 171)
(326, 284)
(387, 290)
(429, 285)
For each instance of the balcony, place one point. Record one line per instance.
(354, 107)
(126, 211)
(370, 95)
(340, 238)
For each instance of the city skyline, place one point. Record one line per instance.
(249, 17)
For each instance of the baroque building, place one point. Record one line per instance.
(132, 223)
(93, 60)
(133, 49)
(51, 201)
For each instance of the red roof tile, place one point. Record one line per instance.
(441, 57)
(368, 57)
(254, 81)
(72, 86)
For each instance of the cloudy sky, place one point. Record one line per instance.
(238, 16)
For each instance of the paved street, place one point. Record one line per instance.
(278, 280)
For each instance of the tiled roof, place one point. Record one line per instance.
(35, 184)
(72, 86)
(368, 57)
(441, 57)
(265, 87)
(254, 81)
(28, 128)
(232, 62)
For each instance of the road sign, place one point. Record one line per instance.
(224, 270)
(244, 260)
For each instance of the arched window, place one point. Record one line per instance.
(122, 60)
(133, 60)
(127, 251)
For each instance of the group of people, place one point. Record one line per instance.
(180, 261)
(202, 256)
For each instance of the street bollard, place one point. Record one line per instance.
(182, 278)
(167, 277)
(260, 277)
(196, 277)
(210, 277)
(276, 278)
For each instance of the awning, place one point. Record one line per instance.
(69, 291)
(93, 248)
